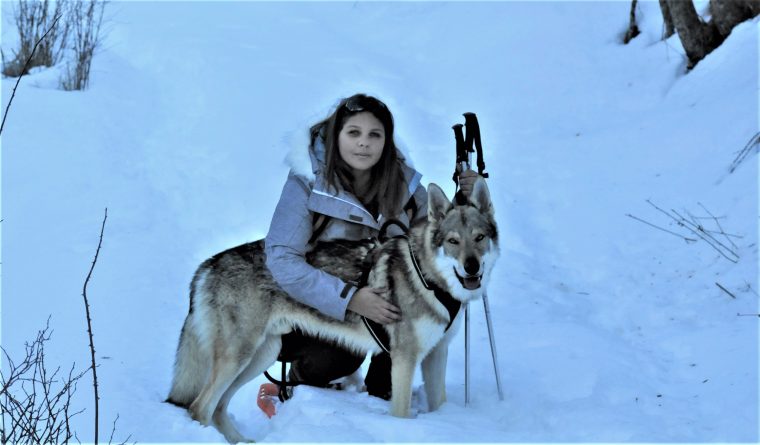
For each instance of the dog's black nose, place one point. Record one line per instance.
(471, 266)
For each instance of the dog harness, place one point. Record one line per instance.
(452, 305)
(378, 332)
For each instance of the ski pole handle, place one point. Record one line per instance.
(473, 135)
(462, 161)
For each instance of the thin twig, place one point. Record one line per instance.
(28, 60)
(725, 290)
(660, 228)
(113, 429)
(709, 239)
(701, 229)
(720, 227)
(633, 29)
(683, 222)
(89, 323)
(748, 315)
(32, 410)
(727, 235)
(753, 141)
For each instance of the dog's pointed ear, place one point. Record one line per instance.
(438, 203)
(480, 196)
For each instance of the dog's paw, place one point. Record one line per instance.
(199, 415)
(404, 414)
(419, 400)
(236, 437)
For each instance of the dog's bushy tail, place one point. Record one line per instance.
(193, 363)
(191, 367)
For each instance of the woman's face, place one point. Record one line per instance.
(361, 141)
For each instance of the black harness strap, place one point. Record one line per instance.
(383, 235)
(319, 223)
(379, 334)
(376, 330)
(283, 384)
(411, 209)
(452, 305)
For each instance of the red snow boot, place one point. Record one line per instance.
(265, 401)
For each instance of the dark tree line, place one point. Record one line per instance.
(700, 37)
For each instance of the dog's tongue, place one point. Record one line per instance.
(471, 283)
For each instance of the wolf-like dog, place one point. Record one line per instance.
(238, 313)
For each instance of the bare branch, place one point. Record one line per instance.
(32, 409)
(633, 29)
(86, 18)
(709, 239)
(754, 142)
(89, 323)
(725, 290)
(688, 240)
(26, 66)
(696, 229)
(723, 232)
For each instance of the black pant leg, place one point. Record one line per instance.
(317, 362)
(378, 378)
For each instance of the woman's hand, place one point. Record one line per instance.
(467, 181)
(369, 302)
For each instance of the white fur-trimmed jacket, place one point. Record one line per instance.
(306, 193)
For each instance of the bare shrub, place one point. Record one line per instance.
(35, 404)
(33, 19)
(85, 18)
(75, 38)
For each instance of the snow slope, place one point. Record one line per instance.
(608, 329)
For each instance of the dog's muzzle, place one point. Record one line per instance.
(470, 282)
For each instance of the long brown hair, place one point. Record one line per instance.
(387, 182)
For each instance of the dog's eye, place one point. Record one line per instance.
(453, 241)
(479, 238)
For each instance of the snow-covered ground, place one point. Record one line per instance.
(608, 329)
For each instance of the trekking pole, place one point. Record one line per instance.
(462, 160)
(464, 150)
(473, 128)
(466, 355)
(493, 346)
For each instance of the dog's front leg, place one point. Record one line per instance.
(402, 373)
(434, 375)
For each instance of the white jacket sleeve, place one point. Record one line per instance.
(285, 247)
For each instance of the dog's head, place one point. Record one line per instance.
(464, 239)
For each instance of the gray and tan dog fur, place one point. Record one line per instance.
(238, 313)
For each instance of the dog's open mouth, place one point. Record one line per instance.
(470, 282)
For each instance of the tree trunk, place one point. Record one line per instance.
(697, 37)
(633, 29)
(667, 19)
(728, 13)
